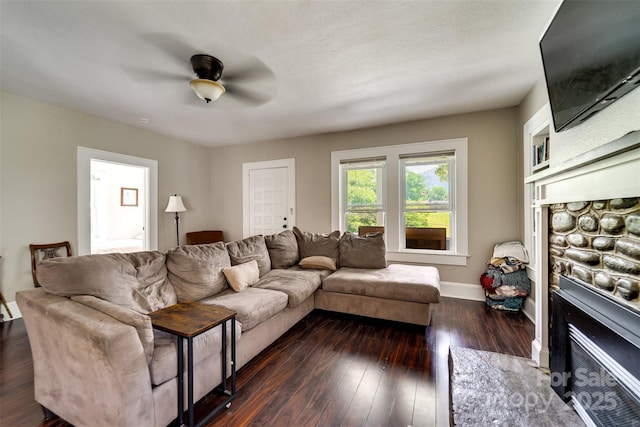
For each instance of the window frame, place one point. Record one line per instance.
(381, 175)
(450, 202)
(396, 252)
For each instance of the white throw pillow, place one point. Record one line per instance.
(242, 276)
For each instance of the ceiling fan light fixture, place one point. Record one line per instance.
(207, 90)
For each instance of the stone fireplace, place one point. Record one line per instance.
(598, 243)
(587, 211)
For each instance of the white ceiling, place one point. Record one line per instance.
(337, 64)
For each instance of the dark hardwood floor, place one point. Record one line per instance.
(328, 370)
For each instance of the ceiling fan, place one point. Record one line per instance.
(208, 87)
(246, 80)
(208, 69)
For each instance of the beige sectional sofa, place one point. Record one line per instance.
(98, 361)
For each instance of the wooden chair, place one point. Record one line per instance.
(46, 251)
(203, 237)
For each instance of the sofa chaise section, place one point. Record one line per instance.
(398, 292)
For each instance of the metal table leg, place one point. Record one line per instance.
(180, 382)
(190, 379)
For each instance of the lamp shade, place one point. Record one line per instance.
(207, 90)
(175, 204)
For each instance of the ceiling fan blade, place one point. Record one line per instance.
(252, 69)
(148, 75)
(172, 45)
(246, 96)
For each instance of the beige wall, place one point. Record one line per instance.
(38, 178)
(609, 124)
(493, 177)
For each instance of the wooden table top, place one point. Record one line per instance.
(188, 319)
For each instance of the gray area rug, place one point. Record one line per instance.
(492, 389)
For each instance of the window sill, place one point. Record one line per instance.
(428, 257)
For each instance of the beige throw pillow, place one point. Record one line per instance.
(242, 276)
(319, 263)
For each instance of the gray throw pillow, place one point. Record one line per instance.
(249, 249)
(368, 251)
(312, 244)
(195, 271)
(137, 281)
(283, 249)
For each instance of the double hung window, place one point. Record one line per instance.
(363, 194)
(427, 202)
(415, 193)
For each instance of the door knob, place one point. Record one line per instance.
(284, 226)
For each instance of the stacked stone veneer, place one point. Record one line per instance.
(598, 243)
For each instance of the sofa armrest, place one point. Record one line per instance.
(89, 368)
(142, 322)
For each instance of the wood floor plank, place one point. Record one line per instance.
(330, 369)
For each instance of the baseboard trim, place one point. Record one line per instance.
(15, 311)
(473, 292)
(467, 291)
(539, 354)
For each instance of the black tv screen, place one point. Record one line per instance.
(591, 57)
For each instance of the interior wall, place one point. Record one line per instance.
(613, 122)
(38, 179)
(493, 177)
(609, 124)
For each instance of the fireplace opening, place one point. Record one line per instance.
(595, 354)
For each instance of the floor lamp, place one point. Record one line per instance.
(176, 205)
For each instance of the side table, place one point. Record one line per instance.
(188, 320)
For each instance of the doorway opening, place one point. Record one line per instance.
(117, 203)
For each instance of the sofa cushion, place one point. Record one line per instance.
(253, 305)
(137, 281)
(366, 251)
(297, 284)
(196, 270)
(251, 248)
(141, 322)
(242, 276)
(318, 263)
(164, 364)
(283, 249)
(396, 282)
(312, 244)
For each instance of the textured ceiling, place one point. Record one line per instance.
(336, 65)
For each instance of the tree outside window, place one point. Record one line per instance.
(427, 192)
(364, 194)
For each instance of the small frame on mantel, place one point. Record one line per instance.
(128, 196)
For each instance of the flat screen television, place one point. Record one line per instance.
(591, 57)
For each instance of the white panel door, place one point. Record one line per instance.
(268, 207)
(269, 192)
